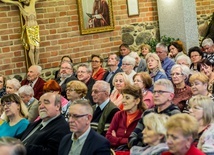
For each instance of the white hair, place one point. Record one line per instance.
(129, 60)
(207, 42)
(27, 90)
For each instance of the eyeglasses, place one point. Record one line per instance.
(95, 61)
(97, 91)
(176, 74)
(66, 68)
(160, 92)
(8, 104)
(75, 116)
(126, 64)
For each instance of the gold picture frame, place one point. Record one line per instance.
(95, 16)
(133, 7)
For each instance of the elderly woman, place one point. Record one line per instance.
(124, 122)
(199, 83)
(2, 85)
(144, 81)
(154, 67)
(144, 49)
(128, 64)
(202, 108)
(175, 50)
(54, 87)
(208, 69)
(183, 60)
(182, 129)
(15, 114)
(74, 90)
(154, 134)
(120, 80)
(97, 70)
(196, 55)
(179, 74)
(12, 86)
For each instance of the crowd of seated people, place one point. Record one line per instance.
(166, 96)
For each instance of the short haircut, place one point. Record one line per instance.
(176, 45)
(207, 104)
(166, 83)
(26, 90)
(67, 56)
(156, 57)
(88, 68)
(18, 77)
(206, 62)
(105, 86)
(156, 122)
(129, 60)
(58, 100)
(146, 78)
(134, 91)
(184, 69)
(15, 98)
(16, 84)
(187, 124)
(207, 42)
(199, 76)
(38, 68)
(162, 46)
(97, 56)
(125, 78)
(124, 45)
(85, 103)
(195, 49)
(16, 146)
(71, 64)
(79, 87)
(116, 56)
(51, 85)
(184, 57)
(134, 55)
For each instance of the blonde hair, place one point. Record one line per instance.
(154, 56)
(207, 104)
(199, 76)
(125, 78)
(79, 87)
(186, 123)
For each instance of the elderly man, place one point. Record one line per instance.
(84, 74)
(104, 109)
(34, 80)
(166, 62)
(83, 140)
(140, 65)
(66, 75)
(208, 48)
(113, 61)
(163, 94)
(43, 137)
(26, 93)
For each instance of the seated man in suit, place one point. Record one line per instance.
(43, 136)
(104, 109)
(84, 74)
(113, 61)
(66, 75)
(34, 80)
(140, 65)
(83, 140)
(26, 93)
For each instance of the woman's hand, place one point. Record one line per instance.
(113, 133)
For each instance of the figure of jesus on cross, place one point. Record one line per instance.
(30, 28)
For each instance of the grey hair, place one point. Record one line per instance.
(16, 84)
(38, 68)
(184, 57)
(166, 83)
(105, 85)
(163, 46)
(89, 70)
(27, 90)
(85, 103)
(184, 69)
(129, 59)
(207, 42)
(134, 55)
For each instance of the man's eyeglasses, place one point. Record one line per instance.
(6, 103)
(160, 92)
(97, 91)
(126, 64)
(75, 116)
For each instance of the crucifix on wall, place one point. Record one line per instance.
(30, 29)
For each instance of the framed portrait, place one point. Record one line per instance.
(133, 7)
(95, 16)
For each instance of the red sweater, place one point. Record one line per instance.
(118, 124)
(192, 151)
